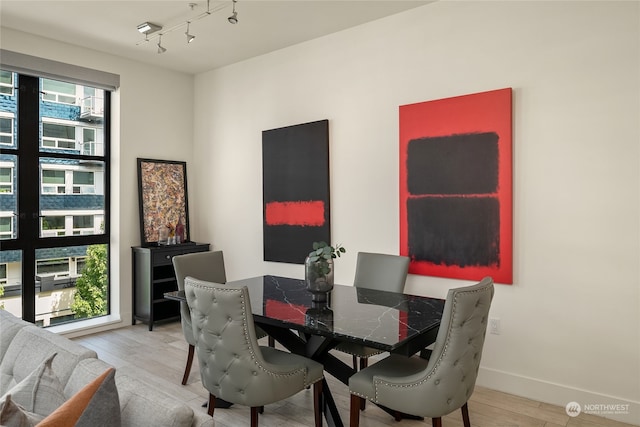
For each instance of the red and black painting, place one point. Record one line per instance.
(295, 173)
(456, 186)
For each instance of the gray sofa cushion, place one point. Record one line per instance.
(86, 371)
(30, 347)
(146, 406)
(140, 403)
(39, 392)
(95, 405)
(9, 327)
(14, 415)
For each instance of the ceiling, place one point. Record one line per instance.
(263, 26)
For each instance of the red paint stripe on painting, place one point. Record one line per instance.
(309, 213)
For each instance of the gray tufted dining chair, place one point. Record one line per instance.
(445, 382)
(207, 266)
(233, 366)
(381, 272)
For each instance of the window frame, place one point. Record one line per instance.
(57, 142)
(83, 188)
(58, 97)
(29, 153)
(11, 118)
(55, 186)
(11, 226)
(11, 183)
(11, 85)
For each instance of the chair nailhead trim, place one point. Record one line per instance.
(434, 370)
(247, 338)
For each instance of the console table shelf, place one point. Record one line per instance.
(153, 275)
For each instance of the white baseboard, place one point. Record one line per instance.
(602, 405)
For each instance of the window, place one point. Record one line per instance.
(83, 224)
(92, 142)
(58, 136)
(58, 267)
(56, 91)
(83, 183)
(6, 130)
(53, 181)
(3, 274)
(80, 263)
(64, 195)
(6, 180)
(6, 227)
(6, 83)
(92, 106)
(53, 226)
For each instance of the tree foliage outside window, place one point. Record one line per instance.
(90, 299)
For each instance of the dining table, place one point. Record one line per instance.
(391, 322)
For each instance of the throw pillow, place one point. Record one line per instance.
(40, 392)
(95, 405)
(14, 415)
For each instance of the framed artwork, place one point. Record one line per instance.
(162, 194)
(295, 180)
(456, 186)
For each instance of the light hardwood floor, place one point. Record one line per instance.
(159, 358)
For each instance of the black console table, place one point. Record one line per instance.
(153, 275)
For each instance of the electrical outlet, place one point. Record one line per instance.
(494, 326)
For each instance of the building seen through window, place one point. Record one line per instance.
(68, 157)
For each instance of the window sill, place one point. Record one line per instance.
(86, 327)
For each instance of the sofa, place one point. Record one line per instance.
(25, 349)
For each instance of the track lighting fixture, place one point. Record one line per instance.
(160, 48)
(148, 28)
(190, 37)
(234, 17)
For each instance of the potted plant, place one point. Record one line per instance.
(318, 269)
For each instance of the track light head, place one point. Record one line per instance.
(234, 17)
(160, 48)
(148, 28)
(190, 37)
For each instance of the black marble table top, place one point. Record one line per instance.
(388, 321)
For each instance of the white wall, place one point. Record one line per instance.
(570, 322)
(152, 118)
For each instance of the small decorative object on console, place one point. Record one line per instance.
(180, 231)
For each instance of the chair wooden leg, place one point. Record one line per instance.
(354, 411)
(465, 415)
(254, 416)
(436, 422)
(212, 404)
(187, 369)
(271, 341)
(317, 403)
(425, 354)
(355, 363)
(364, 362)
